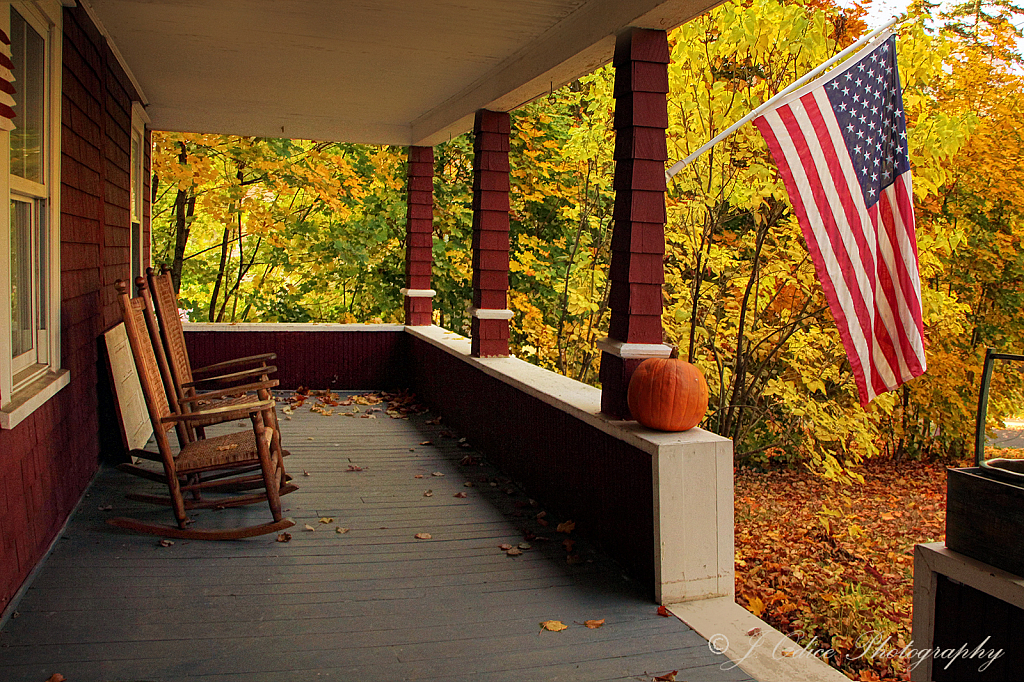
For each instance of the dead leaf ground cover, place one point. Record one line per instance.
(831, 564)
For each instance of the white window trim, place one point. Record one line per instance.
(140, 119)
(15, 407)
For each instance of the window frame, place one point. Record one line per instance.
(21, 391)
(137, 183)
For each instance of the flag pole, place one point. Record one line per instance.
(680, 165)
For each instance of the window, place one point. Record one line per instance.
(29, 242)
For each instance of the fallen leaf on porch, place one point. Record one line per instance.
(465, 445)
(554, 626)
(412, 449)
(525, 545)
(529, 535)
(566, 527)
(106, 507)
(468, 461)
(427, 442)
(568, 544)
(754, 632)
(429, 493)
(418, 476)
(437, 473)
(310, 528)
(447, 434)
(505, 547)
(166, 543)
(305, 473)
(662, 611)
(468, 484)
(56, 677)
(667, 677)
(433, 422)
(788, 653)
(309, 438)
(460, 495)
(284, 537)
(230, 446)
(423, 536)
(341, 531)
(354, 467)
(515, 551)
(326, 519)
(594, 624)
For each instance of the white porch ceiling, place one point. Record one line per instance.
(372, 71)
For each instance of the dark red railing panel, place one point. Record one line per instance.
(571, 467)
(342, 360)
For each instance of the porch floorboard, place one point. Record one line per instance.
(370, 604)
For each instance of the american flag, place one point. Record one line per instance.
(841, 147)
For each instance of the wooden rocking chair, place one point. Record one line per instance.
(229, 452)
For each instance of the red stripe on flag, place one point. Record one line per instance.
(867, 263)
(850, 286)
(838, 315)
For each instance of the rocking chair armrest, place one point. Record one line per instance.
(234, 390)
(234, 376)
(243, 410)
(237, 362)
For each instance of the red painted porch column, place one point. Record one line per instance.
(638, 236)
(419, 236)
(490, 234)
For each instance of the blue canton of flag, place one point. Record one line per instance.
(869, 108)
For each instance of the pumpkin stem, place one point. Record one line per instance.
(674, 355)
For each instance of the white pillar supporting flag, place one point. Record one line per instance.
(841, 147)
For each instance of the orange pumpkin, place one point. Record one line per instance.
(667, 394)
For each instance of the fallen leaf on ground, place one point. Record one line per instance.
(667, 677)
(166, 543)
(566, 527)
(354, 467)
(554, 626)
(310, 528)
(437, 473)
(341, 531)
(568, 544)
(754, 632)
(515, 551)
(594, 624)
(284, 537)
(106, 507)
(56, 677)
(525, 545)
(788, 653)
(504, 548)
(468, 484)
(305, 473)
(309, 438)
(418, 476)
(427, 442)
(423, 536)
(468, 461)
(429, 493)
(461, 495)
(326, 519)
(662, 611)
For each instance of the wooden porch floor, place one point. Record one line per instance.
(370, 604)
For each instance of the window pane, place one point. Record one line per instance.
(28, 52)
(21, 278)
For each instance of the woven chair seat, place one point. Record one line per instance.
(219, 402)
(231, 449)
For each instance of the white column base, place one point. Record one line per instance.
(634, 350)
(491, 313)
(418, 293)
